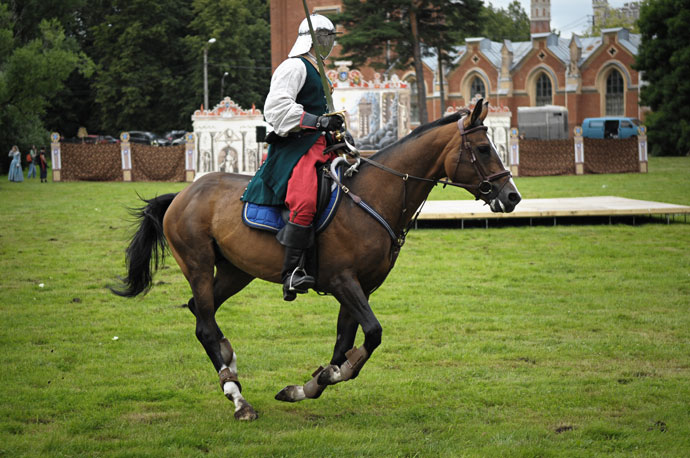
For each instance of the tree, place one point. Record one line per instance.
(242, 49)
(390, 33)
(150, 65)
(506, 24)
(144, 65)
(27, 16)
(443, 26)
(608, 18)
(32, 70)
(664, 59)
(75, 105)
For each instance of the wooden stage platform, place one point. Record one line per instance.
(611, 206)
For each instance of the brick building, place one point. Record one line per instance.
(590, 76)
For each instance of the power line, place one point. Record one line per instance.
(575, 22)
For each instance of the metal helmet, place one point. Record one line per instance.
(324, 31)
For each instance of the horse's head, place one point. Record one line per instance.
(476, 165)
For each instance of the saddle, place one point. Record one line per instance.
(272, 218)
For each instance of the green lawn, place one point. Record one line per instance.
(521, 341)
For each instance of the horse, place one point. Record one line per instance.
(202, 228)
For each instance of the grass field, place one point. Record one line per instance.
(522, 341)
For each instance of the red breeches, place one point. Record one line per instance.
(301, 189)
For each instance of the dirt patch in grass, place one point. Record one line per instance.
(148, 417)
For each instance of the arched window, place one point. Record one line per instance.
(477, 87)
(615, 89)
(543, 90)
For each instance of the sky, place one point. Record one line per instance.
(568, 16)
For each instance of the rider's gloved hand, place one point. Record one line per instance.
(331, 123)
(325, 123)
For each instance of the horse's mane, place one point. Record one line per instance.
(419, 131)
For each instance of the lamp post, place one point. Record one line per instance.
(222, 85)
(210, 41)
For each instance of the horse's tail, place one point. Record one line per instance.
(146, 251)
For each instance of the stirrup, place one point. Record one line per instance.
(305, 281)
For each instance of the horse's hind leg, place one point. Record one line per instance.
(207, 299)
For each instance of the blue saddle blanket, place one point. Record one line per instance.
(269, 217)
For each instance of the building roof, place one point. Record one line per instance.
(560, 47)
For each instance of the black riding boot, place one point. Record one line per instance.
(296, 239)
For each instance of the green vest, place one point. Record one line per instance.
(269, 185)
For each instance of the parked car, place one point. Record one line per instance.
(108, 139)
(180, 140)
(96, 139)
(610, 127)
(173, 135)
(145, 138)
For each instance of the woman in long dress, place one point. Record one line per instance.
(16, 172)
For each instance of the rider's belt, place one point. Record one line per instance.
(273, 138)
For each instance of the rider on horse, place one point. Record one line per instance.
(296, 108)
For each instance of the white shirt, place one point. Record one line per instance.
(281, 109)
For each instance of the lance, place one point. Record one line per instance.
(319, 62)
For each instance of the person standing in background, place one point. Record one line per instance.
(16, 172)
(43, 165)
(31, 159)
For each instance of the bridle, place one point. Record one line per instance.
(485, 185)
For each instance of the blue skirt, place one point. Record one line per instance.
(16, 172)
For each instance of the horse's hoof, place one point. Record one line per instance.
(292, 393)
(246, 413)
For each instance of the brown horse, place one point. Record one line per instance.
(204, 232)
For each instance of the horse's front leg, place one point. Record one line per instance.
(347, 330)
(347, 360)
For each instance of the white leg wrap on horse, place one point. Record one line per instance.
(232, 392)
(229, 374)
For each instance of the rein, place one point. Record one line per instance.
(485, 186)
